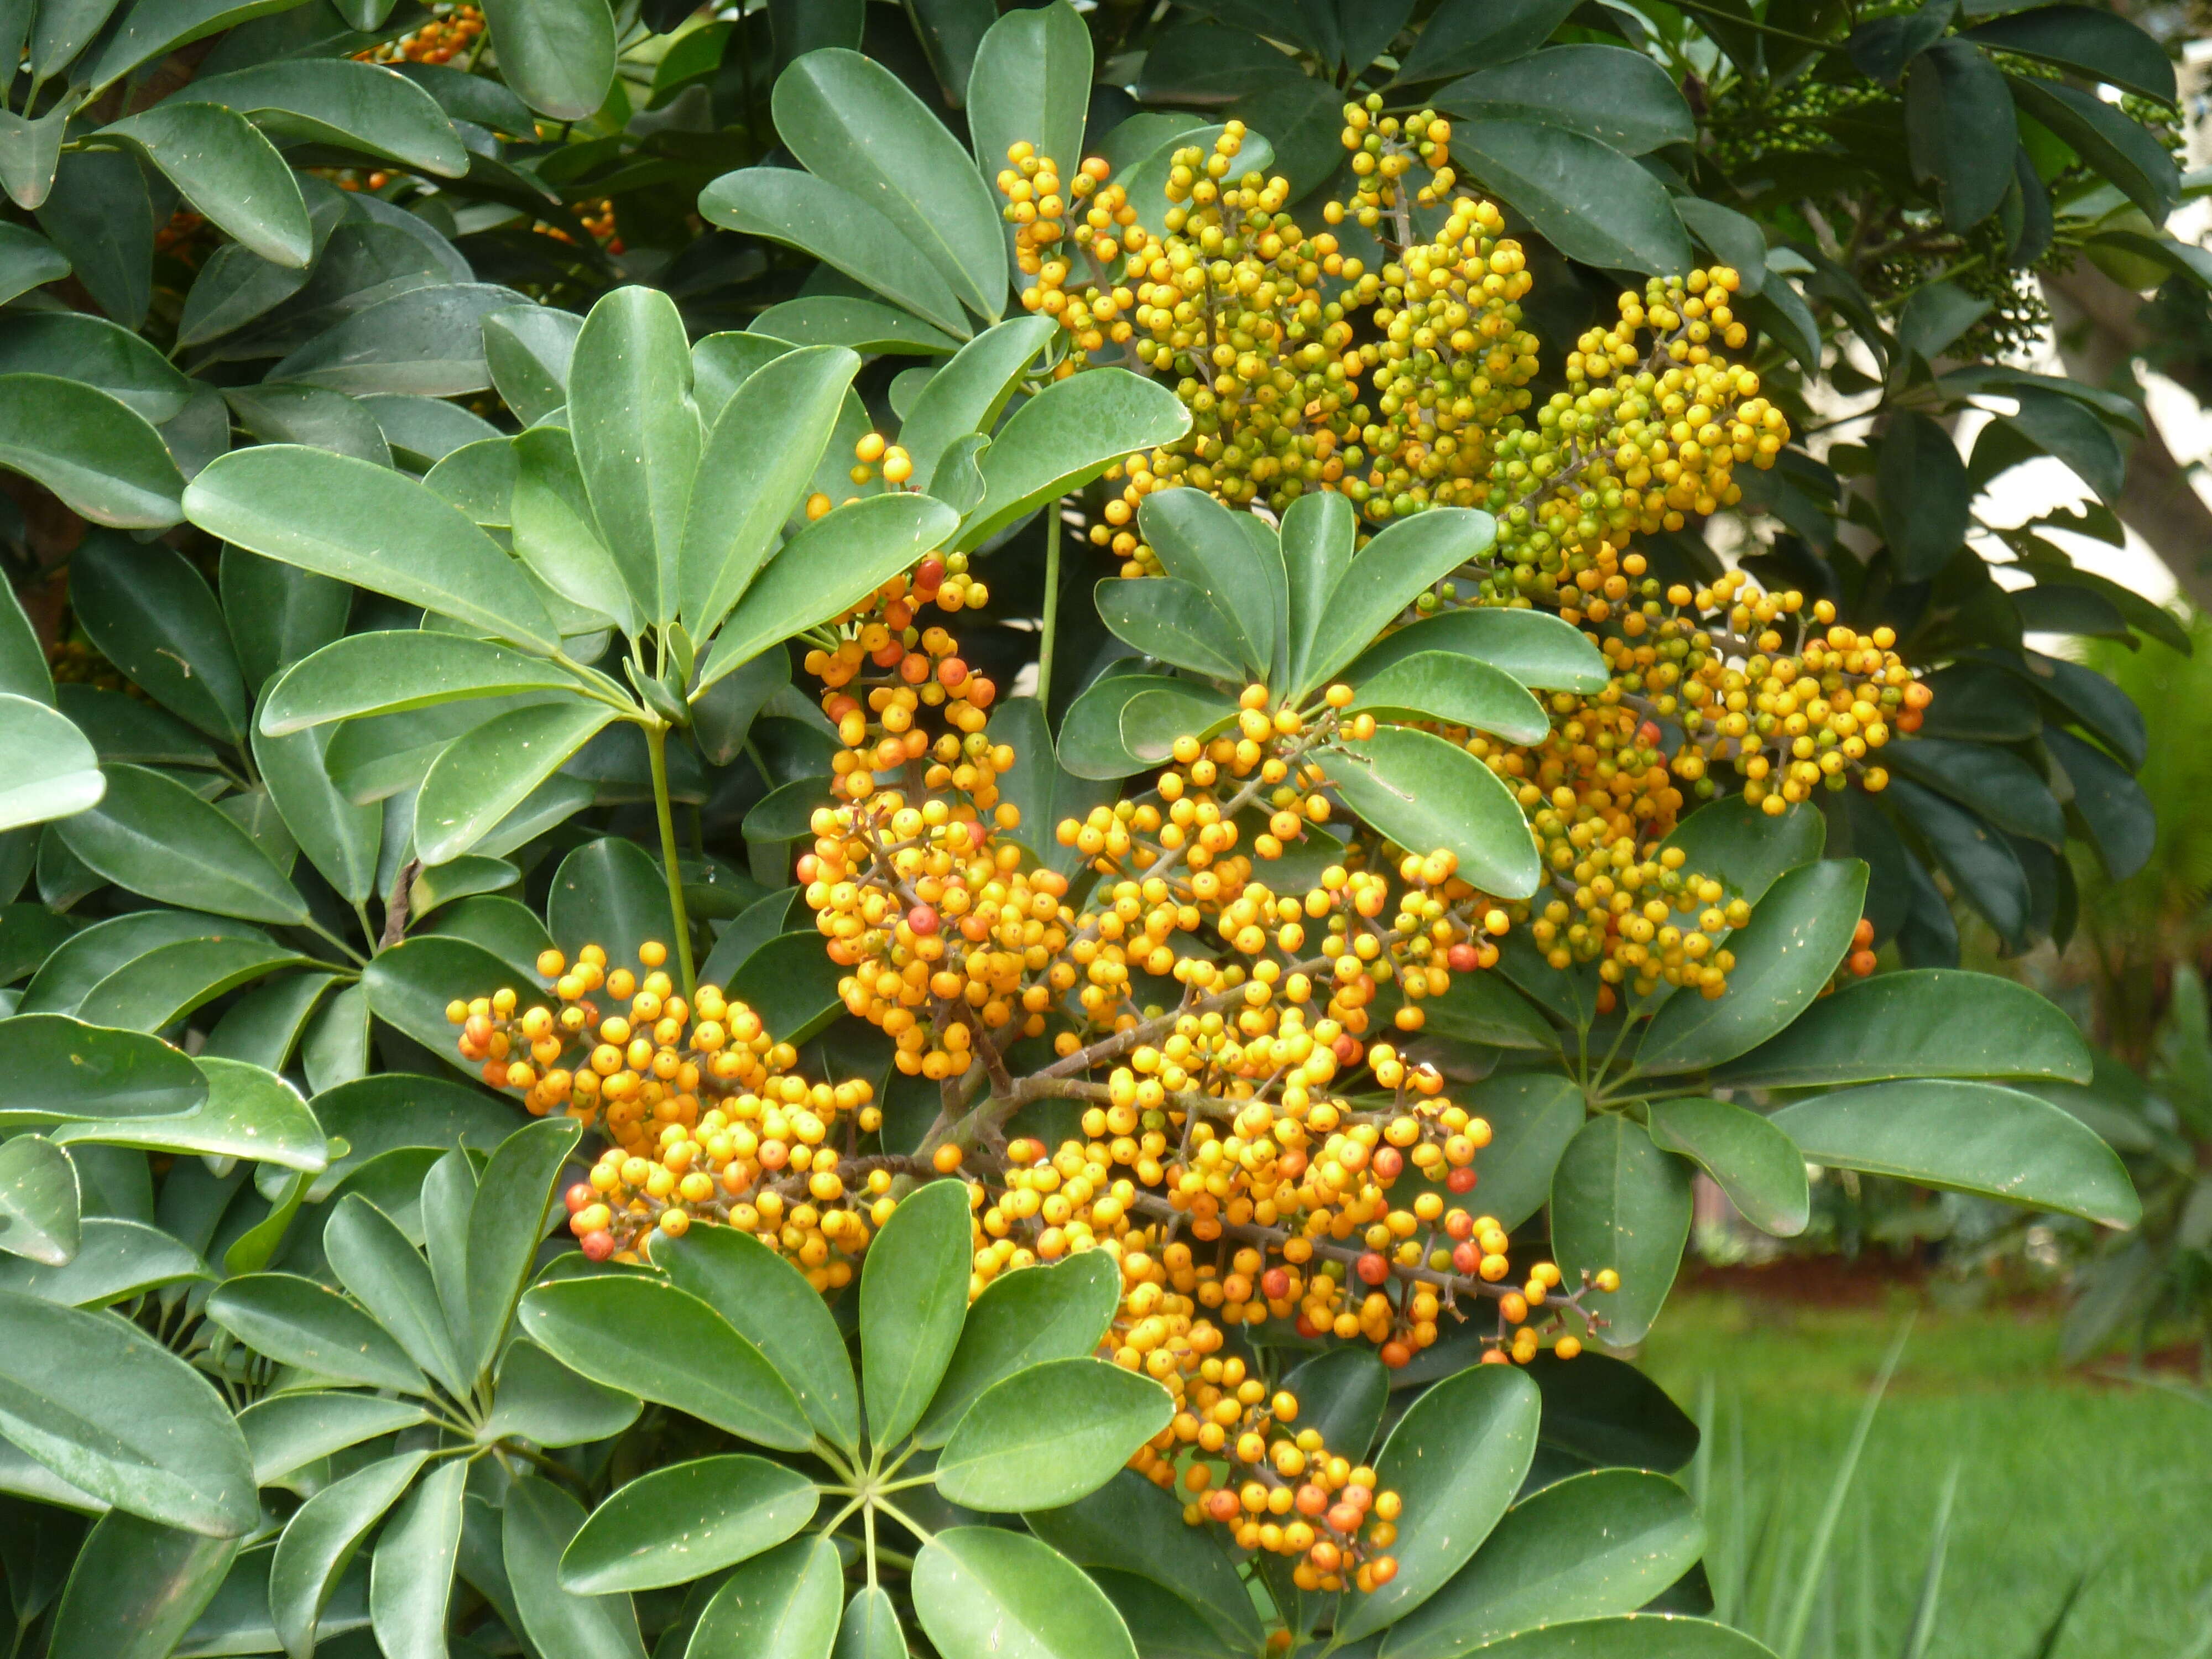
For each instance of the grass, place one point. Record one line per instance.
(2060, 1475)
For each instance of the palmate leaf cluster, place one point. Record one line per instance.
(417, 461)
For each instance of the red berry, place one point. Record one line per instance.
(578, 1197)
(1461, 1179)
(929, 575)
(1389, 1163)
(600, 1245)
(951, 673)
(1274, 1283)
(923, 919)
(1463, 958)
(1396, 1355)
(1374, 1268)
(1465, 1257)
(1459, 1225)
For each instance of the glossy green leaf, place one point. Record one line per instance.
(539, 1521)
(314, 416)
(1784, 956)
(1342, 1393)
(28, 260)
(1090, 734)
(2112, 142)
(1129, 1526)
(782, 1605)
(968, 393)
(1392, 570)
(411, 984)
(263, 1028)
(540, 1399)
(248, 1112)
(981, 1589)
(160, 987)
(339, 101)
(1043, 791)
(1030, 81)
(1620, 98)
(82, 959)
(284, 1431)
(1586, 198)
(558, 54)
(685, 1521)
(868, 326)
(389, 671)
(761, 452)
(1239, 574)
(1465, 35)
(637, 437)
(1997, 784)
(153, 835)
(40, 1206)
(1046, 1435)
(1456, 690)
(654, 1340)
(98, 353)
(869, 1628)
(410, 1578)
(371, 526)
(1023, 1318)
(1630, 1636)
(388, 1276)
(115, 1414)
(340, 839)
(1926, 1022)
(505, 1221)
(782, 204)
(557, 534)
(1954, 99)
(2101, 44)
(1533, 647)
(278, 613)
(51, 772)
(59, 1070)
(1758, 1166)
(851, 121)
(321, 1538)
(93, 451)
(1424, 793)
(609, 892)
(425, 341)
(1618, 1201)
(1063, 438)
(296, 1321)
(422, 430)
(767, 1301)
(1921, 488)
(226, 170)
(1533, 1116)
(1968, 1137)
(382, 1113)
(479, 479)
(914, 1299)
(489, 772)
(1174, 622)
(825, 569)
(1744, 850)
(1317, 539)
(1155, 716)
(135, 1589)
(150, 612)
(529, 349)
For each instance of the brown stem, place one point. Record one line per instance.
(395, 908)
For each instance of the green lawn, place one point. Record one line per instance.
(2059, 1474)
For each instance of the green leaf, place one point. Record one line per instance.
(766, 1300)
(383, 1113)
(371, 526)
(92, 450)
(51, 772)
(321, 1538)
(1063, 438)
(1342, 1393)
(1023, 1318)
(340, 839)
(914, 1299)
(151, 613)
(849, 120)
(1997, 784)
(1617, 1201)
(278, 614)
(1426, 794)
(2111, 143)
(388, 1276)
(1630, 1636)
(968, 394)
(422, 430)
(59, 1070)
(1145, 179)
(1743, 848)
(1968, 1137)
(296, 1321)
(1467, 33)
(529, 349)
(1586, 198)
(1758, 1166)
(28, 260)
(1784, 956)
(842, 230)
(1620, 98)
(2101, 45)
(314, 416)
(115, 1414)
(1174, 622)
(391, 670)
(684, 1521)
(91, 350)
(1043, 791)
(868, 326)
(490, 771)
(981, 1589)
(226, 170)
(135, 1589)
(826, 569)
(1599, 1411)
(720, 363)
(782, 1605)
(1954, 100)
(1046, 1435)
(39, 1203)
(155, 991)
(264, 1027)
(1130, 1526)
(1239, 575)
(1090, 734)
(2122, 821)
(1456, 1458)
(1533, 1116)
(1392, 570)
(153, 836)
(539, 1521)
(609, 892)
(411, 984)
(558, 54)
(654, 1340)
(286, 1431)
(764, 448)
(1921, 488)
(338, 101)
(1604, 1542)
(410, 1578)
(505, 1221)
(1031, 80)
(637, 437)
(1456, 690)
(1155, 716)
(1317, 539)
(557, 534)
(2069, 429)
(1925, 1022)
(541, 1400)
(869, 1628)
(425, 341)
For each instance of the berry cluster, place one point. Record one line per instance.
(452, 32)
